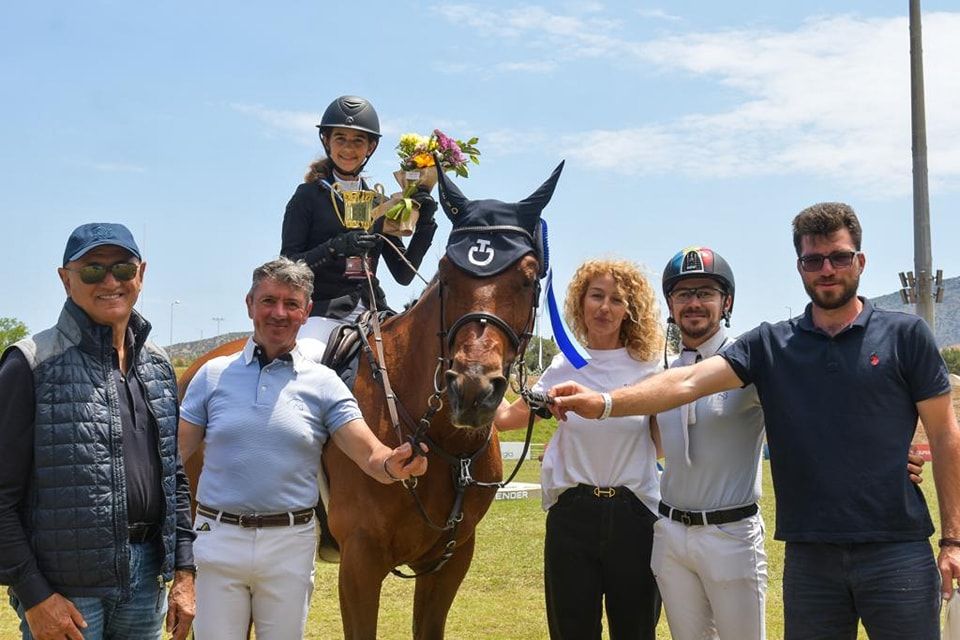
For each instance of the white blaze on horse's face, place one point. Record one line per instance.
(482, 351)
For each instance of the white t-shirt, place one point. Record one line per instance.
(610, 453)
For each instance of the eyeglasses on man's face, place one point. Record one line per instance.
(813, 262)
(703, 294)
(95, 273)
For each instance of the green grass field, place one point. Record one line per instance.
(502, 595)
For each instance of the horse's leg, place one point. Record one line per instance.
(434, 593)
(363, 568)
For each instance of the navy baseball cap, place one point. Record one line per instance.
(96, 234)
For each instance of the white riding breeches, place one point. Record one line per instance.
(261, 574)
(713, 578)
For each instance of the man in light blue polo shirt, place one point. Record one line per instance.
(263, 416)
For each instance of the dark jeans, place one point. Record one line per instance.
(893, 587)
(138, 618)
(596, 556)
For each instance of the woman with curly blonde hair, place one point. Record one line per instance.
(599, 481)
(641, 333)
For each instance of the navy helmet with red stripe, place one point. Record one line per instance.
(699, 262)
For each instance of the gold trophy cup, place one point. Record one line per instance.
(357, 214)
(358, 206)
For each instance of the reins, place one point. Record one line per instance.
(460, 464)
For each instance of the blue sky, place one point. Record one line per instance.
(682, 123)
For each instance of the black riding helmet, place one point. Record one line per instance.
(350, 112)
(700, 262)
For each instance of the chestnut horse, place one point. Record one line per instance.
(447, 359)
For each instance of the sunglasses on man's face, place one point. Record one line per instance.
(94, 273)
(839, 259)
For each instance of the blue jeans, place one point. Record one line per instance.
(893, 587)
(138, 618)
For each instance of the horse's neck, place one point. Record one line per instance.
(412, 345)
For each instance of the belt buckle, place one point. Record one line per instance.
(685, 518)
(249, 520)
(600, 492)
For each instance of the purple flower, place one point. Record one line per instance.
(444, 142)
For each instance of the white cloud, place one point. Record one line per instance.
(504, 142)
(538, 28)
(533, 66)
(115, 167)
(299, 126)
(830, 98)
(658, 14)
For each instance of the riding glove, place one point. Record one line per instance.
(352, 243)
(428, 206)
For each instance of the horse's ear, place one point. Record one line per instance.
(534, 204)
(451, 198)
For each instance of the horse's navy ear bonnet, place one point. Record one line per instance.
(489, 235)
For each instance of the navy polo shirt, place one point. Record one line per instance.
(840, 414)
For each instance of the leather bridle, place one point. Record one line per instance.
(460, 464)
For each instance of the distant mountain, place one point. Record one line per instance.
(947, 331)
(183, 353)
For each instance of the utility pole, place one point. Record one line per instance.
(218, 320)
(922, 254)
(172, 305)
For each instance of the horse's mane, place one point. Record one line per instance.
(413, 301)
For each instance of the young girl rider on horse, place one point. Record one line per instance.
(314, 232)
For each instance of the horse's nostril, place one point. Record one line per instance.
(499, 385)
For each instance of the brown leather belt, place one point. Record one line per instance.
(258, 520)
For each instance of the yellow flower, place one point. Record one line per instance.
(423, 160)
(409, 140)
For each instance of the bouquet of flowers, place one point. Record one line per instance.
(418, 169)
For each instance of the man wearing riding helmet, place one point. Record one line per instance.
(712, 575)
(314, 232)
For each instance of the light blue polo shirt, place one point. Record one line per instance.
(264, 429)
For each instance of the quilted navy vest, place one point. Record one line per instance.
(75, 512)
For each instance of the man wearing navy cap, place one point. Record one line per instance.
(94, 504)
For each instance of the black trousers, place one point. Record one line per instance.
(596, 556)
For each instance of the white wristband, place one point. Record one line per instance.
(607, 406)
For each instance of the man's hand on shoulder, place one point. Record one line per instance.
(915, 464)
(182, 604)
(55, 619)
